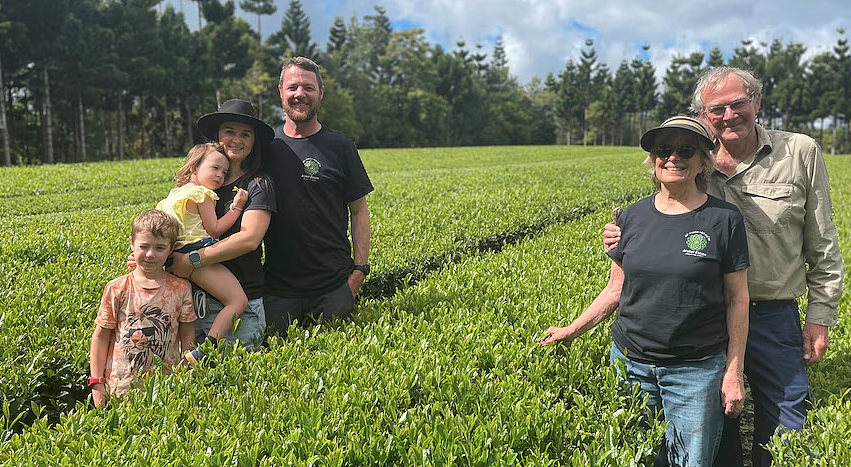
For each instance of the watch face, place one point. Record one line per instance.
(364, 268)
(195, 258)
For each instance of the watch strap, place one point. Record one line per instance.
(94, 380)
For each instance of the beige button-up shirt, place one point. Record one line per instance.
(784, 195)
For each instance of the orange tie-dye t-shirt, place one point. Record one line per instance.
(145, 323)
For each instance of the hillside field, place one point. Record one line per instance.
(474, 252)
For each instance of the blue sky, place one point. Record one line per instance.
(540, 35)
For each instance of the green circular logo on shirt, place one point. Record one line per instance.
(696, 242)
(311, 166)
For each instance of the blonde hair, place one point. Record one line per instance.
(158, 224)
(194, 159)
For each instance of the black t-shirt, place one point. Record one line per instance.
(247, 268)
(672, 304)
(307, 245)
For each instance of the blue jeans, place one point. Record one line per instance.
(252, 322)
(688, 396)
(777, 375)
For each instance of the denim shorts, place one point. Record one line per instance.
(251, 325)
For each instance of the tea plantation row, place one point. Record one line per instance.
(475, 252)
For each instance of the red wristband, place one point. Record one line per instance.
(93, 380)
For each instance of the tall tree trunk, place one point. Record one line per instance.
(120, 126)
(169, 133)
(190, 137)
(7, 153)
(47, 120)
(82, 125)
(141, 127)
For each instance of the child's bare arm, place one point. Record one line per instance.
(216, 227)
(97, 363)
(187, 335)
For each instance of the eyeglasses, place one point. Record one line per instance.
(665, 152)
(736, 106)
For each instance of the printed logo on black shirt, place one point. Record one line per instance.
(311, 169)
(696, 243)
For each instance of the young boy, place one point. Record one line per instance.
(145, 313)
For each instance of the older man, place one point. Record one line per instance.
(779, 182)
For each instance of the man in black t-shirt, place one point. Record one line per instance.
(320, 186)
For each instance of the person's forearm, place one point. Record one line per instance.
(224, 223)
(736, 299)
(600, 309)
(98, 351)
(737, 328)
(360, 233)
(187, 336)
(254, 225)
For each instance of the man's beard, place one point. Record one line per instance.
(299, 116)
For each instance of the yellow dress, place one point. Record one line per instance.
(191, 227)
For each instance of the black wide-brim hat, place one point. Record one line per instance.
(235, 110)
(682, 122)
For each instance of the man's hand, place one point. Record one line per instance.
(356, 279)
(816, 342)
(181, 267)
(611, 236)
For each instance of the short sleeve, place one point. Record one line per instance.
(736, 258)
(110, 303)
(199, 194)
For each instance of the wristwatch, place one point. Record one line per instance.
(195, 258)
(364, 268)
(93, 380)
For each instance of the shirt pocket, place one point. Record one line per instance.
(766, 207)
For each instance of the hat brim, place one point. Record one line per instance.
(209, 124)
(649, 138)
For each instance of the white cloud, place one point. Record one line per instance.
(540, 35)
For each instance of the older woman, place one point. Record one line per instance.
(679, 280)
(235, 125)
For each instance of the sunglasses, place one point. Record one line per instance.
(736, 106)
(665, 152)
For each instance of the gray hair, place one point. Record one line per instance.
(712, 78)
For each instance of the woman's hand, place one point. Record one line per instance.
(733, 393)
(611, 236)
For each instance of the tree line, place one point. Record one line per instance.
(87, 80)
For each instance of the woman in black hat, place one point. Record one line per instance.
(236, 126)
(679, 282)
